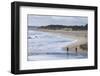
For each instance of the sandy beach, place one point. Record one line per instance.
(79, 36)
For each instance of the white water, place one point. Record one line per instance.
(46, 46)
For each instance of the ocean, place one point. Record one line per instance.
(47, 46)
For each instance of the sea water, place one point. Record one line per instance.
(48, 46)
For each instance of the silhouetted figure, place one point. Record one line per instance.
(67, 49)
(76, 50)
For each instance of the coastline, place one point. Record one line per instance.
(80, 38)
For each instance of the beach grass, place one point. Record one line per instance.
(84, 46)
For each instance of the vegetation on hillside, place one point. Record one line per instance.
(59, 27)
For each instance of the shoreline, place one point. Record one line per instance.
(79, 37)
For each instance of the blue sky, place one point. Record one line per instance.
(43, 20)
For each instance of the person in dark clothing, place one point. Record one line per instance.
(67, 49)
(76, 49)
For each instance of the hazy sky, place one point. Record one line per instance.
(41, 20)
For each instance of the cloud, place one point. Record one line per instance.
(41, 20)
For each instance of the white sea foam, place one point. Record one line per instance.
(47, 46)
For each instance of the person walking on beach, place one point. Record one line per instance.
(76, 49)
(67, 49)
